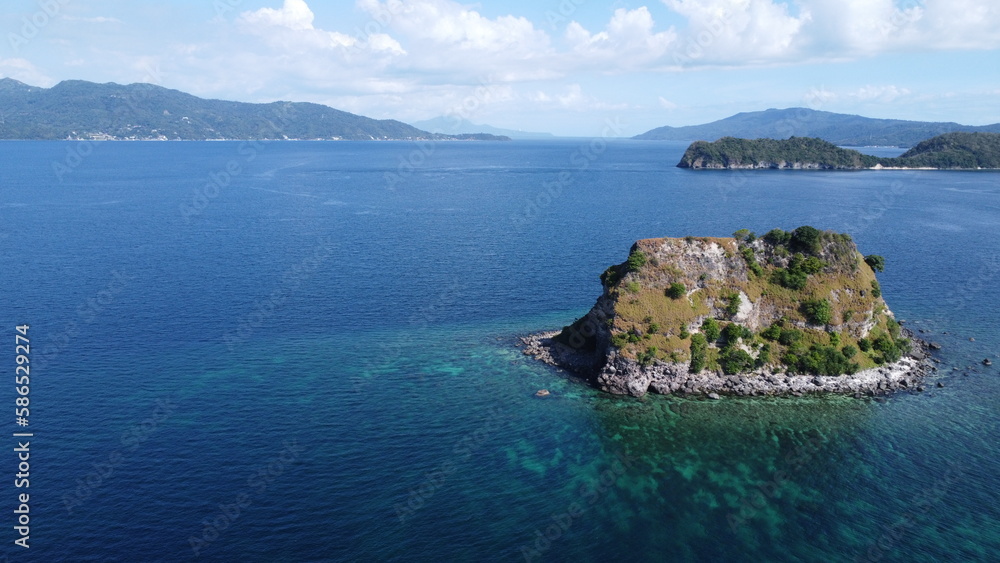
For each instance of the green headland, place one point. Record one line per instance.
(951, 151)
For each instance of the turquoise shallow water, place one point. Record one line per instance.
(379, 408)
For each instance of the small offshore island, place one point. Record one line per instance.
(951, 151)
(788, 313)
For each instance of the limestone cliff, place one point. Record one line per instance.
(788, 312)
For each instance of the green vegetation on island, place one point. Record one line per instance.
(797, 152)
(953, 150)
(802, 301)
(965, 151)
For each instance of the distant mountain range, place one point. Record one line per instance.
(837, 128)
(453, 126)
(76, 109)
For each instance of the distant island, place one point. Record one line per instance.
(787, 313)
(456, 125)
(951, 151)
(837, 128)
(76, 109)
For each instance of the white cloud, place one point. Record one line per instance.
(961, 24)
(291, 28)
(884, 94)
(572, 98)
(857, 27)
(816, 98)
(295, 14)
(628, 39)
(443, 22)
(539, 96)
(873, 26)
(737, 31)
(667, 104)
(755, 32)
(22, 70)
(382, 43)
(431, 47)
(96, 19)
(419, 58)
(446, 41)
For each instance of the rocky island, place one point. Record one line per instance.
(951, 151)
(787, 313)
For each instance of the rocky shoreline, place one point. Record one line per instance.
(622, 376)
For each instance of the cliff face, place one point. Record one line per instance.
(707, 163)
(729, 315)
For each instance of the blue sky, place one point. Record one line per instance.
(563, 66)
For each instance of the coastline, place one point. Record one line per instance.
(811, 166)
(615, 374)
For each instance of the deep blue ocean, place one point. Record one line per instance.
(307, 352)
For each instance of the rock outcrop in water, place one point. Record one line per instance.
(788, 313)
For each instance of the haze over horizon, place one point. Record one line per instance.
(567, 67)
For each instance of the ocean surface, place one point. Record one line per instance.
(308, 352)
